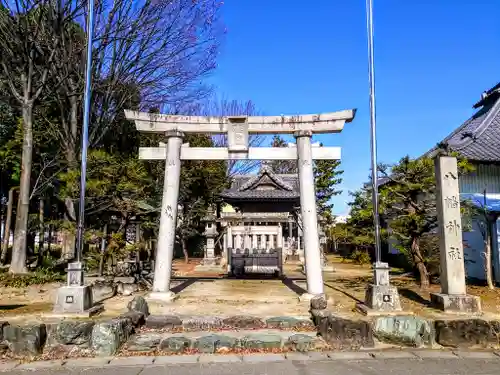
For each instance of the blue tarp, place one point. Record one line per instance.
(492, 201)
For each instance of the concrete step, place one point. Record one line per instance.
(222, 342)
(236, 322)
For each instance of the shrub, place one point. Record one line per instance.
(360, 257)
(41, 276)
(48, 272)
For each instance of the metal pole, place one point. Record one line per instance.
(85, 136)
(373, 126)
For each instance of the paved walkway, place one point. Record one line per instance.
(429, 362)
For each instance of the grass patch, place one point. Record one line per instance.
(48, 272)
(38, 277)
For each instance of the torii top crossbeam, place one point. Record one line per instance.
(318, 123)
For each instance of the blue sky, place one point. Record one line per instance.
(433, 58)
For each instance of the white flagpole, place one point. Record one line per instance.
(373, 132)
(85, 135)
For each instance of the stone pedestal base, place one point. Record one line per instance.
(75, 300)
(209, 262)
(325, 268)
(456, 303)
(328, 268)
(208, 268)
(163, 296)
(307, 297)
(380, 300)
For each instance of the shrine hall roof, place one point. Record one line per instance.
(265, 185)
(478, 138)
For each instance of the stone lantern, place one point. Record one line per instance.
(322, 245)
(210, 234)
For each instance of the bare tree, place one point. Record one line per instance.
(28, 45)
(146, 54)
(151, 52)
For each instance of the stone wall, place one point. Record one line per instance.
(407, 331)
(136, 331)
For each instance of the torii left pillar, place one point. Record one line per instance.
(168, 219)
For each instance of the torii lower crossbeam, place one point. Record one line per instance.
(253, 153)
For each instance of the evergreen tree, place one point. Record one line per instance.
(282, 166)
(410, 201)
(327, 177)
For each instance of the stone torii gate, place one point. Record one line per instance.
(238, 129)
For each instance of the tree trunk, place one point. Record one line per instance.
(185, 250)
(419, 264)
(49, 240)
(103, 249)
(8, 224)
(487, 257)
(18, 263)
(41, 231)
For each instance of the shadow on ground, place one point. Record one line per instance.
(413, 296)
(10, 307)
(343, 292)
(290, 284)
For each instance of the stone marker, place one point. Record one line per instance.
(75, 298)
(453, 296)
(381, 297)
(238, 129)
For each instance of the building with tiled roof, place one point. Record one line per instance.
(263, 188)
(478, 140)
(260, 212)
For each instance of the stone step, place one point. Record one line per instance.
(220, 342)
(202, 323)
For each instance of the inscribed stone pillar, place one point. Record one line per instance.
(453, 295)
(450, 227)
(238, 241)
(309, 215)
(168, 218)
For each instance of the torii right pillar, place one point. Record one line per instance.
(309, 214)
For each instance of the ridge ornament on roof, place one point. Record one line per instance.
(265, 170)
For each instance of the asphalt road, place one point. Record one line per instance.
(466, 366)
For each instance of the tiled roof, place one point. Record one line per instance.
(246, 186)
(479, 137)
